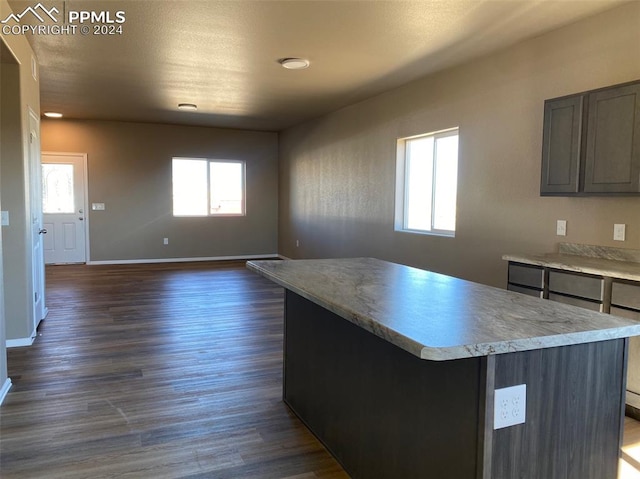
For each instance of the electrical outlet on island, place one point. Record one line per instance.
(510, 406)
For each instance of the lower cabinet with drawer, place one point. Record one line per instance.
(625, 294)
(597, 293)
(582, 303)
(625, 302)
(583, 290)
(526, 279)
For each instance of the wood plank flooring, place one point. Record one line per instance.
(630, 457)
(164, 371)
(158, 371)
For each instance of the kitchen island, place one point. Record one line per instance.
(394, 369)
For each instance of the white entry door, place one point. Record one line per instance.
(64, 208)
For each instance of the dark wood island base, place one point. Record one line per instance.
(397, 370)
(385, 413)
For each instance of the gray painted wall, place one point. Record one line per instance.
(9, 139)
(3, 336)
(129, 169)
(337, 172)
(12, 194)
(16, 268)
(20, 93)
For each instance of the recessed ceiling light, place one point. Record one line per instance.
(294, 63)
(52, 114)
(188, 106)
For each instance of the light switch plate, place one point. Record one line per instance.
(561, 228)
(510, 406)
(97, 206)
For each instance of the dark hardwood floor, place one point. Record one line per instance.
(156, 371)
(164, 371)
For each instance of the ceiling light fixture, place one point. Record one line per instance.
(52, 114)
(294, 63)
(187, 106)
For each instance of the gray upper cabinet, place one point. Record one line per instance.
(612, 161)
(561, 145)
(591, 143)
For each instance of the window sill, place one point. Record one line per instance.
(446, 234)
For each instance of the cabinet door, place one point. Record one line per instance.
(561, 142)
(612, 157)
(526, 275)
(581, 303)
(626, 294)
(577, 284)
(536, 293)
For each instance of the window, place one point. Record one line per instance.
(57, 189)
(427, 183)
(208, 187)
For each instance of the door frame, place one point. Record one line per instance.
(34, 173)
(85, 179)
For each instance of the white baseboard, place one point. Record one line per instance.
(633, 399)
(4, 390)
(20, 342)
(184, 260)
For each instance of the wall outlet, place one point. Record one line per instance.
(165, 241)
(561, 228)
(619, 232)
(510, 406)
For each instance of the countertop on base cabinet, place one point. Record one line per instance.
(616, 271)
(580, 264)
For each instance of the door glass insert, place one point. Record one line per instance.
(57, 188)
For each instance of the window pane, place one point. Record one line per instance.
(227, 185)
(427, 183)
(419, 171)
(189, 187)
(57, 188)
(446, 183)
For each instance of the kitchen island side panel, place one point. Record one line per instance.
(574, 415)
(382, 412)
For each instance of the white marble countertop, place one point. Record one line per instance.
(437, 317)
(581, 264)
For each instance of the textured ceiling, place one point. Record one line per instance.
(222, 55)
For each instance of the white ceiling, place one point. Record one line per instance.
(222, 55)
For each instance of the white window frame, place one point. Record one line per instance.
(402, 178)
(209, 161)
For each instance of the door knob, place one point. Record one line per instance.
(43, 231)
